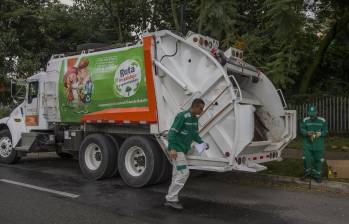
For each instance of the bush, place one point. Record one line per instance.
(4, 111)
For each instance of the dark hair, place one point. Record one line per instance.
(197, 101)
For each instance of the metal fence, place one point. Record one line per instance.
(335, 109)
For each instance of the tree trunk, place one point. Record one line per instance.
(174, 15)
(325, 42)
(116, 18)
(201, 15)
(121, 34)
(154, 20)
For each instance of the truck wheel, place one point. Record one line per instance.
(97, 157)
(166, 170)
(7, 153)
(139, 161)
(116, 144)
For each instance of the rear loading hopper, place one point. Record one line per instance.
(244, 121)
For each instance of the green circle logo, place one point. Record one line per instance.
(127, 78)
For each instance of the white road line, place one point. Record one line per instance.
(65, 194)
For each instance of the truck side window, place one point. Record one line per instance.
(33, 91)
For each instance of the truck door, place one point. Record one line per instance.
(50, 101)
(32, 104)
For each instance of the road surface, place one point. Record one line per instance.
(48, 189)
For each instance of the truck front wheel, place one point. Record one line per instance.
(97, 157)
(139, 161)
(8, 154)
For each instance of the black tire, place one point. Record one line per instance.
(166, 169)
(152, 161)
(116, 144)
(107, 156)
(13, 156)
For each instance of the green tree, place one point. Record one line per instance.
(336, 16)
(218, 19)
(285, 38)
(128, 90)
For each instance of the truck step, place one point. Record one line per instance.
(250, 166)
(259, 143)
(211, 168)
(25, 148)
(27, 141)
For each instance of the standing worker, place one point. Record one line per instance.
(183, 132)
(313, 129)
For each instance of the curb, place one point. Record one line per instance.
(276, 180)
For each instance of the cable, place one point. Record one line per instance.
(170, 55)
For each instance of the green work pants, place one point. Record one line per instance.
(313, 160)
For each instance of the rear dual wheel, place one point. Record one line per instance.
(141, 162)
(166, 170)
(98, 157)
(117, 141)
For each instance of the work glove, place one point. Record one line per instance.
(318, 134)
(207, 146)
(310, 133)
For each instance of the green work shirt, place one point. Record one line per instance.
(317, 124)
(183, 132)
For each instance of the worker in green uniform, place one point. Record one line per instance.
(313, 130)
(183, 132)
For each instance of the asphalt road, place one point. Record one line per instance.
(56, 192)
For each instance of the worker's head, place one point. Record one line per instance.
(312, 111)
(197, 106)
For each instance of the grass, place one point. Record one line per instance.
(332, 143)
(287, 167)
(294, 168)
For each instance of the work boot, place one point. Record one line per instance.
(174, 204)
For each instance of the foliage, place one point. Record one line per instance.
(282, 38)
(4, 111)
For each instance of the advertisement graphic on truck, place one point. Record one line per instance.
(102, 81)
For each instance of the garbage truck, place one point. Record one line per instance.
(111, 108)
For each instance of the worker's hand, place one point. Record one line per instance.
(310, 133)
(318, 134)
(207, 146)
(173, 154)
